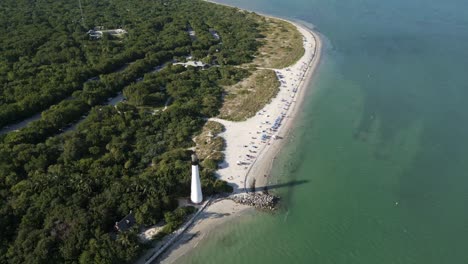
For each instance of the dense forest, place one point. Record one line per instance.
(61, 193)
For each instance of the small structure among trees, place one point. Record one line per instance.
(126, 223)
(98, 32)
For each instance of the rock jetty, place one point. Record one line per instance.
(258, 200)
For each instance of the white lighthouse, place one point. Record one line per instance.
(196, 193)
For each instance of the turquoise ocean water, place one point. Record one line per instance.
(378, 163)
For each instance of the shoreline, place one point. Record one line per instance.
(287, 127)
(240, 134)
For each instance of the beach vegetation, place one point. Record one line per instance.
(282, 44)
(172, 221)
(209, 145)
(246, 98)
(175, 218)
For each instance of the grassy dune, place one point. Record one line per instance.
(244, 99)
(281, 46)
(208, 144)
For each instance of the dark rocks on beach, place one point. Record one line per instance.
(258, 200)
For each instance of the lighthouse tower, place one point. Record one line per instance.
(196, 194)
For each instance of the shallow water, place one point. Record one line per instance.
(377, 164)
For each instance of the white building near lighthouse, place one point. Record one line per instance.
(196, 195)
